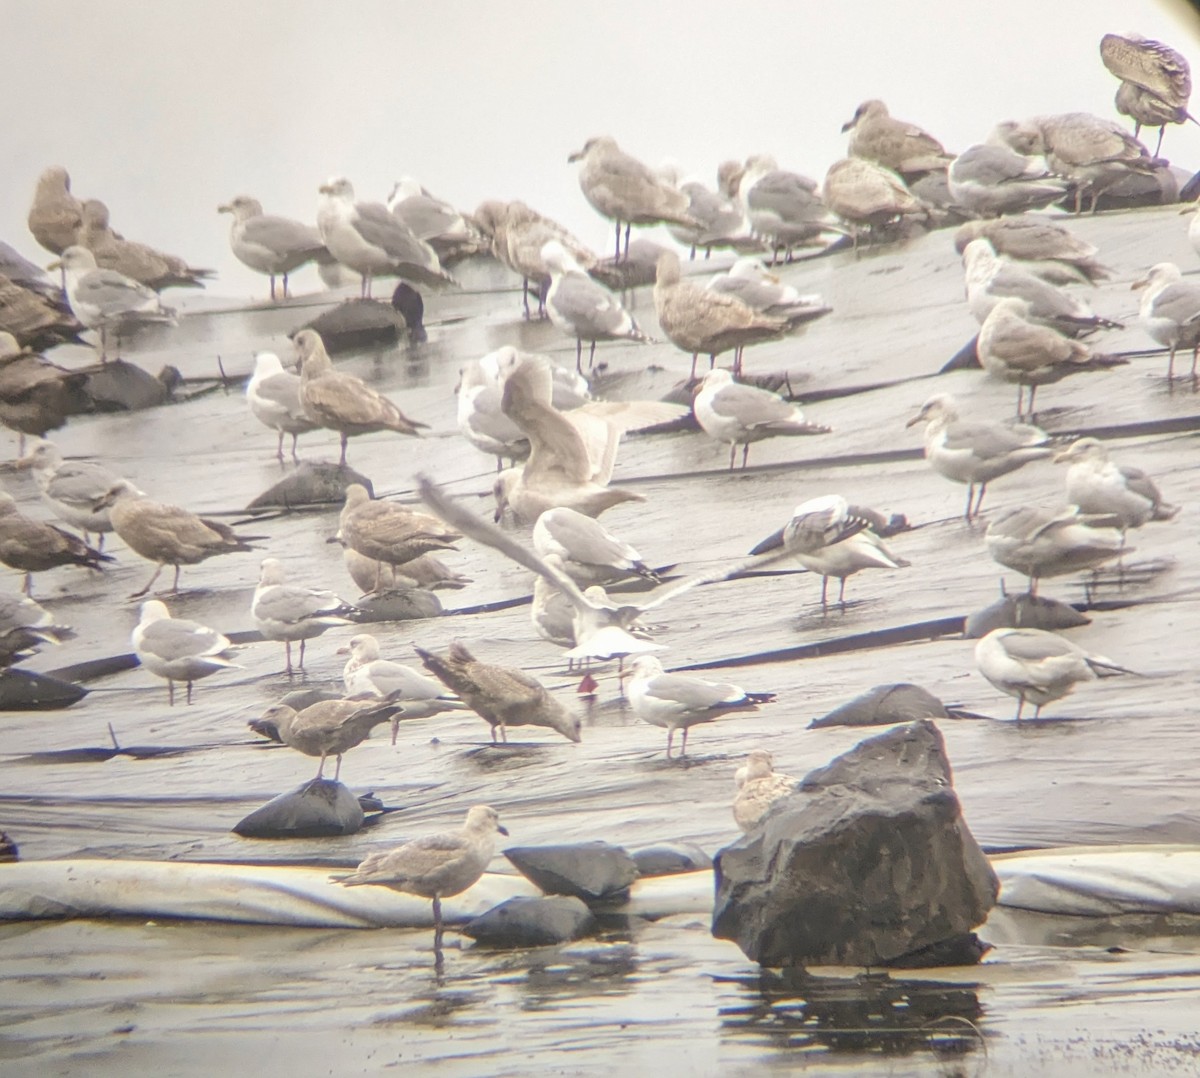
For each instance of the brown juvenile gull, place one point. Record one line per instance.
(33, 318)
(341, 402)
(435, 866)
(135, 260)
(991, 180)
(1170, 311)
(389, 533)
(784, 208)
(72, 488)
(269, 244)
(759, 786)
(1036, 666)
(106, 300)
(24, 625)
(367, 238)
(288, 612)
(167, 534)
(681, 701)
(502, 696)
(32, 547)
(701, 321)
(975, 451)
(274, 397)
(623, 189)
(422, 572)
(1038, 245)
(739, 414)
(1156, 81)
(1097, 485)
(864, 193)
(1040, 542)
(894, 144)
(1015, 349)
(177, 649)
(56, 214)
(589, 552)
(328, 728)
(36, 395)
(583, 308)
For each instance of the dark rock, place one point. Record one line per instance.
(965, 359)
(23, 690)
(398, 604)
(118, 386)
(670, 860)
(314, 482)
(357, 324)
(1023, 612)
(868, 862)
(407, 302)
(318, 808)
(8, 849)
(531, 922)
(885, 704)
(1159, 187)
(589, 870)
(963, 950)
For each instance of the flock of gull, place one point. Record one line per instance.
(555, 447)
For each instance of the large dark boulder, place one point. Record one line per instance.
(867, 863)
(885, 704)
(319, 808)
(313, 482)
(531, 922)
(1023, 612)
(592, 871)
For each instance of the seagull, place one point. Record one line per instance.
(1038, 245)
(975, 451)
(178, 649)
(36, 395)
(1039, 542)
(34, 318)
(32, 547)
(71, 489)
(680, 701)
(864, 193)
(1156, 81)
(740, 414)
(1036, 666)
(329, 727)
(435, 866)
(389, 533)
(341, 402)
(1170, 311)
(894, 144)
(24, 624)
(751, 282)
(589, 552)
(421, 572)
(992, 180)
(433, 221)
(721, 221)
(276, 246)
(1096, 485)
(829, 536)
(106, 300)
(784, 208)
(274, 397)
(759, 786)
(56, 214)
(135, 260)
(288, 612)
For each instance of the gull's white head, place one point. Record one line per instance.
(338, 187)
(271, 572)
(940, 406)
(154, 610)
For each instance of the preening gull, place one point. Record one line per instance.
(366, 674)
(1038, 245)
(434, 221)
(106, 300)
(975, 451)
(894, 144)
(328, 728)
(1040, 542)
(991, 180)
(56, 214)
(751, 282)
(135, 260)
(759, 786)
(1170, 311)
(32, 547)
(740, 414)
(72, 488)
(177, 649)
(33, 318)
(864, 193)
(1097, 485)
(589, 552)
(288, 612)
(389, 533)
(274, 398)
(341, 402)
(435, 866)
(681, 701)
(366, 238)
(784, 208)
(502, 696)
(1036, 666)
(36, 395)
(1156, 81)
(624, 190)
(166, 534)
(268, 244)
(721, 221)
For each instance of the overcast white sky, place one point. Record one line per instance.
(166, 109)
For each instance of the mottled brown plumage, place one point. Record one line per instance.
(56, 214)
(32, 547)
(135, 260)
(388, 533)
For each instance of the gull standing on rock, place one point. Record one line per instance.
(759, 786)
(32, 547)
(288, 612)
(975, 451)
(1156, 81)
(341, 402)
(328, 728)
(1036, 666)
(389, 533)
(72, 489)
(135, 260)
(1097, 485)
(177, 649)
(902, 147)
(274, 397)
(56, 214)
(268, 244)
(1038, 245)
(1170, 311)
(1039, 542)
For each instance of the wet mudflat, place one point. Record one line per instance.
(1111, 764)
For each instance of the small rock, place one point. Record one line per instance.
(318, 482)
(593, 871)
(23, 690)
(885, 704)
(318, 808)
(1023, 612)
(398, 604)
(357, 324)
(670, 860)
(531, 922)
(118, 386)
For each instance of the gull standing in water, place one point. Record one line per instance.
(72, 489)
(759, 786)
(288, 612)
(32, 547)
(177, 649)
(268, 244)
(1040, 542)
(328, 728)
(274, 396)
(389, 533)
(1097, 485)
(1170, 311)
(366, 674)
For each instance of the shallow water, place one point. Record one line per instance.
(1108, 765)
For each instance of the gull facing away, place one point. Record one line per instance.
(680, 701)
(55, 214)
(435, 866)
(1170, 311)
(784, 208)
(862, 193)
(434, 221)
(624, 190)
(32, 547)
(341, 402)
(276, 246)
(902, 147)
(975, 451)
(138, 261)
(72, 488)
(1038, 245)
(739, 414)
(329, 727)
(288, 612)
(274, 398)
(759, 786)
(166, 534)
(1156, 81)
(106, 300)
(502, 696)
(1036, 666)
(367, 238)
(829, 536)
(1097, 485)
(177, 649)
(588, 551)
(1040, 542)
(389, 533)
(721, 221)
(992, 180)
